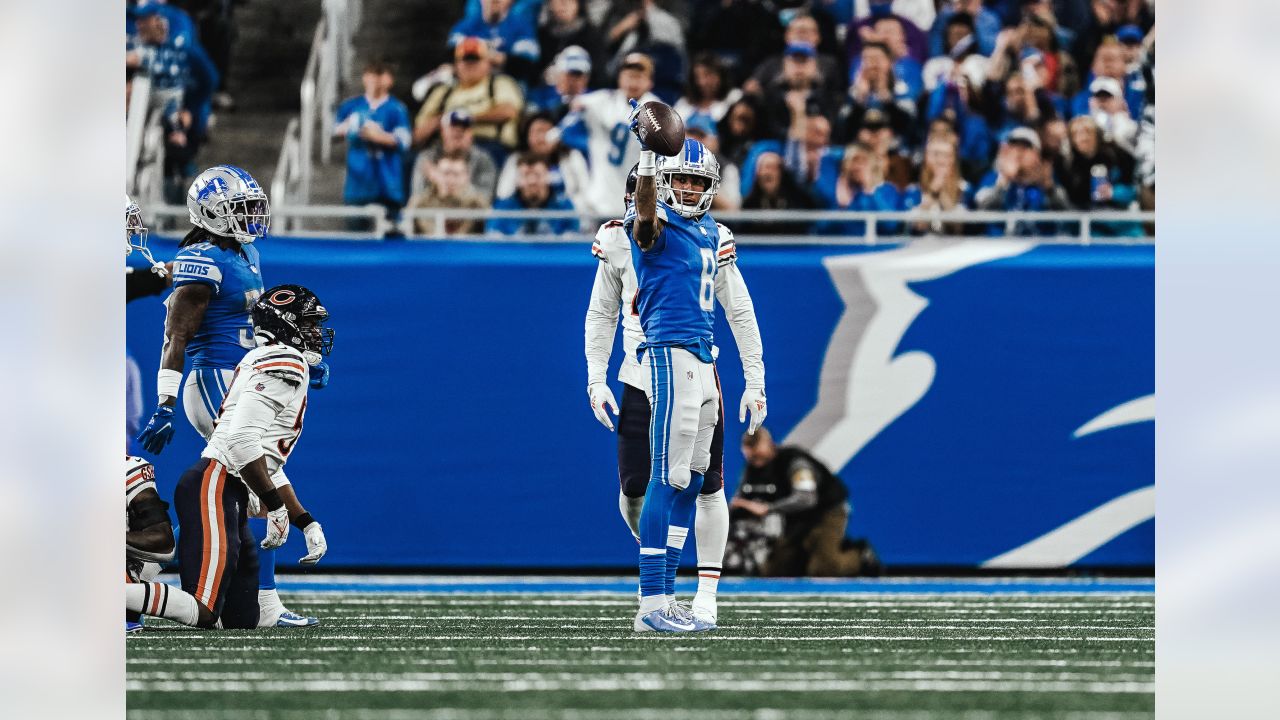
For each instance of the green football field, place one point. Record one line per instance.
(563, 653)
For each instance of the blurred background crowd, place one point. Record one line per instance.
(870, 105)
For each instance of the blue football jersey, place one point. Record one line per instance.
(226, 333)
(677, 279)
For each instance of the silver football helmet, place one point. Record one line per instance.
(135, 235)
(228, 202)
(694, 159)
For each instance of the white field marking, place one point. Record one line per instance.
(480, 581)
(650, 637)
(448, 713)
(796, 624)
(647, 684)
(635, 678)
(817, 601)
(791, 663)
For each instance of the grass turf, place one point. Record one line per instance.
(775, 657)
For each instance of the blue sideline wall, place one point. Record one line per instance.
(978, 398)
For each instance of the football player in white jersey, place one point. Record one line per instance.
(613, 294)
(606, 115)
(255, 430)
(149, 545)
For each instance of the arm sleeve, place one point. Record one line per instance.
(602, 321)
(261, 401)
(731, 291)
(191, 267)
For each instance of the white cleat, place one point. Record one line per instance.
(704, 609)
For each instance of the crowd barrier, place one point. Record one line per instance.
(989, 402)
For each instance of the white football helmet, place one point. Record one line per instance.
(228, 202)
(694, 159)
(135, 235)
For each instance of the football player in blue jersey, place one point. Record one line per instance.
(674, 246)
(216, 279)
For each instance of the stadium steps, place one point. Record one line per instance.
(267, 63)
(409, 34)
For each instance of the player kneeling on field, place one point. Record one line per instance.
(255, 431)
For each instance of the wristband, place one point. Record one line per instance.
(271, 500)
(302, 521)
(168, 382)
(648, 166)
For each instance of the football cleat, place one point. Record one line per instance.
(131, 627)
(290, 619)
(662, 620)
(684, 612)
(704, 610)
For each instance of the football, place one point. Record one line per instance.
(661, 128)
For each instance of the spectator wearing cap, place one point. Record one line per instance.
(457, 138)
(492, 99)
(1108, 109)
(801, 31)
(602, 117)
(941, 188)
(183, 79)
(709, 91)
(643, 26)
(773, 188)
(875, 88)
(701, 128)
(376, 128)
(564, 25)
(799, 86)
(985, 26)
(893, 155)
(566, 167)
(860, 185)
(864, 31)
(533, 192)
(449, 187)
(513, 44)
(1109, 62)
(1021, 181)
(567, 77)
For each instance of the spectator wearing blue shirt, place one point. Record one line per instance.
(860, 186)
(1109, 61)
(1021, 181)
(986, 25)
(183, 79)
(513, 42)
(533, 192)
(568, 76)
(376, 127)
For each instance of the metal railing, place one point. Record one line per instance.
(1077, 228)
(330, 60)
(145, 141)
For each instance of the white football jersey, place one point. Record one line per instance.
(611, 145)
(267, 398)
(139, 475)
(613, 249)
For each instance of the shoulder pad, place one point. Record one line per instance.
(728, 248)
(279, 361)
(610, 239)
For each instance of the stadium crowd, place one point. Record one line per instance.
(870, 105)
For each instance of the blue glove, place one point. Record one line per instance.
(635, 123)
(320, 376)
(159, 430)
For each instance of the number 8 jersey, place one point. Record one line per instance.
(676, 297)
(267, 400)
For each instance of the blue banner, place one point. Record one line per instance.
(988, 402)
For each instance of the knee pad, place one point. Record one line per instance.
(678, 477)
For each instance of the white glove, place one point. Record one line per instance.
(254, 509)
(277, 528)
(753, 400)
(316, 546)
(602, 397)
